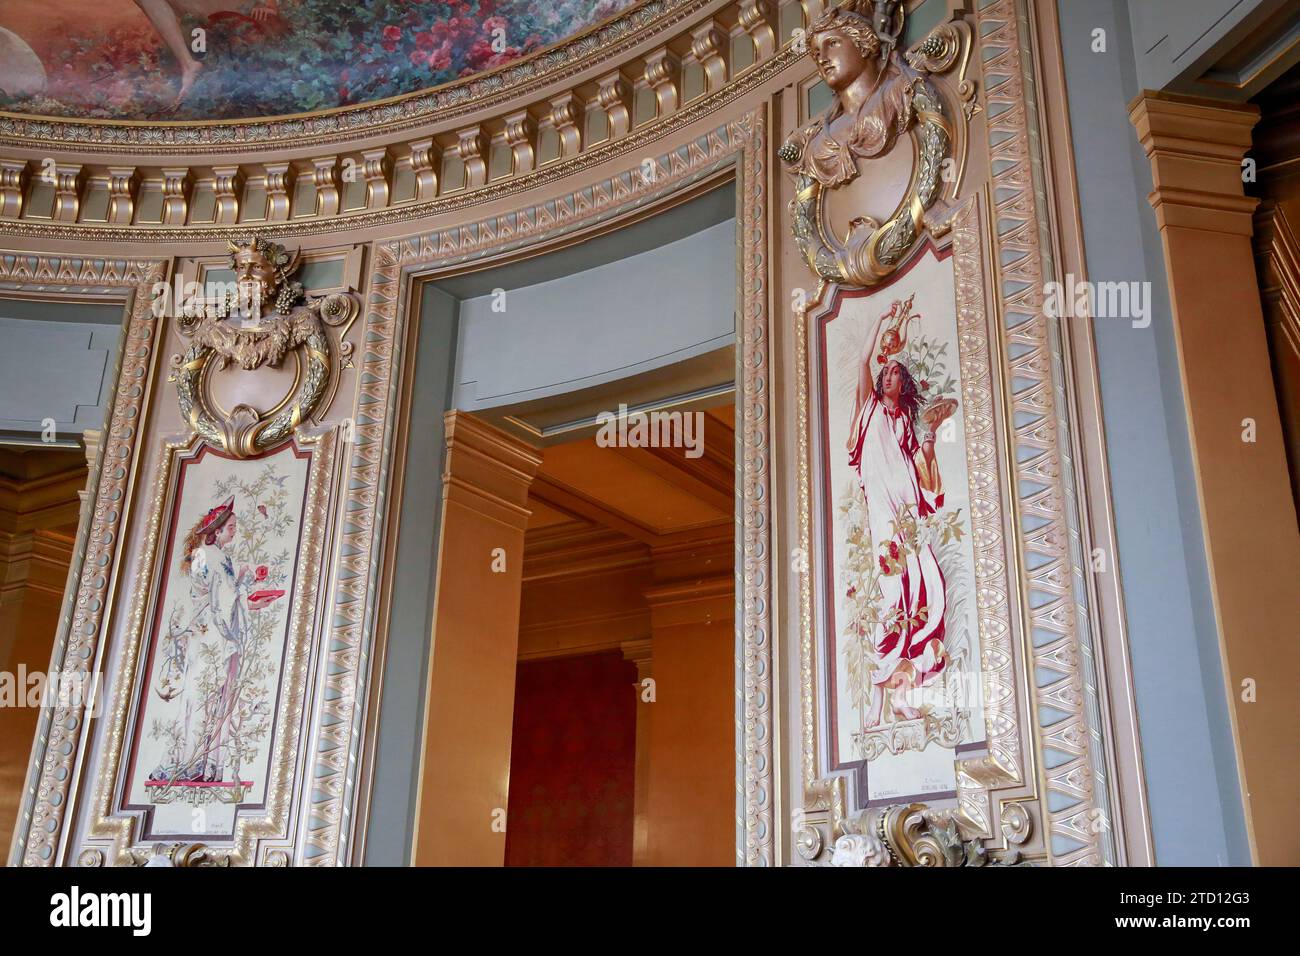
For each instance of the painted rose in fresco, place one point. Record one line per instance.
(142, 59)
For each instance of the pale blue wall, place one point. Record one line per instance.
(406, 661)
(56, 359)
(1176, 41)
(1186, 737)
(621, 318)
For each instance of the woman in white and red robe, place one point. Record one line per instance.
(900, 480)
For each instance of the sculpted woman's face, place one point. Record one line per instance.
(839, 61)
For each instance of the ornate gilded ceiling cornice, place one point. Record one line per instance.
(513, 81)
(636, 141)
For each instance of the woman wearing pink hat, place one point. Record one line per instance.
(221, 599)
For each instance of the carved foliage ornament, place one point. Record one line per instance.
(234, 329)
(879, 96)
(914, 835)
(178, 855)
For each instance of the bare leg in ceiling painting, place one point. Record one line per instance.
(166, 16)
(21, 72)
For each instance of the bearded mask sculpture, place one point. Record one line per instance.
(243, 332)
(262, 275)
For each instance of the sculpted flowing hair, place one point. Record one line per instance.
(853, 25)
(909, 396)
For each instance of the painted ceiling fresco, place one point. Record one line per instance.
(228, 59)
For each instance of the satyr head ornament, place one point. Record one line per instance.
(263, 275)
(262, 272)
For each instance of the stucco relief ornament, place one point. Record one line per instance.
(859, 849)
(178, 855)
(235, 328)
(915, 835)
(880, 98)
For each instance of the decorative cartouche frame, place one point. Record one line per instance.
(871, 251)
(232, 327)
(264, 272)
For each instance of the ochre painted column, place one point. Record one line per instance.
(1248, 516)
(690, 794)
(469, 701)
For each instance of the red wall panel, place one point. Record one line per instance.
(572, 762)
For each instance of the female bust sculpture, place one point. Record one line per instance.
(878, 98)
(874, 93)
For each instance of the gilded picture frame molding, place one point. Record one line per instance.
(1003, 770)
(1074, 798)
(122, 848)
(53, 776)
(737, 148)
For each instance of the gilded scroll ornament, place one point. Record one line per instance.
(913, 835)
(234, 329)
(178, 854)
(808, 842)
(880, 96)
